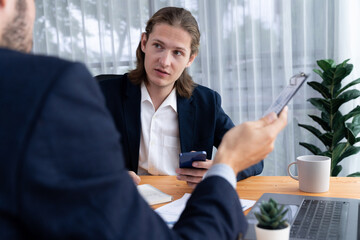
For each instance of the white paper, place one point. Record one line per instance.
(246, 204)
(171, 212)
(153, 195)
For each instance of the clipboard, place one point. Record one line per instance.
(287, 93)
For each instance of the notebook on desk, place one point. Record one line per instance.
(315, 217)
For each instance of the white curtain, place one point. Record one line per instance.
(249, 50)
(347, 47)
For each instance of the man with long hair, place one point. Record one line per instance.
(159, 108)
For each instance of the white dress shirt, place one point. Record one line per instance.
(159, 141)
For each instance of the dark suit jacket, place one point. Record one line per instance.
(62, 174)
(202, 121)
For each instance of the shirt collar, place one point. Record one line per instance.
(169, 101)
(144, 93)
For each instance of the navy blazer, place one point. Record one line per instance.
(202, 121)
(62, 172)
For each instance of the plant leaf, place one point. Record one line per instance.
(354, 126)
(324, 64)
(280, 215)
(312, 148)
(321, 122)
(347, 86)
(326, 139)
(344, 63)
(273, 202)
(335, 89)
(356, 120)
(265, 218)
(339, 75)
(311, 129)
(357, 174)
(258, 217)
(343, 98)
(338, 120)
(319, 72)
(331, 62)
(350, 136)
(336, 170)
(328, 76)
(341, 151)
(350, 150)
(325, 116)
(262, 209)
(324, 91)
(348, 67)
(337, 152)
(339, 134)
(352, 113)
(321, 104)
(353, 130)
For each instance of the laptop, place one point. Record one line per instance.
(314, 217)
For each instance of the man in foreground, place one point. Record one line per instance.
(60, 173)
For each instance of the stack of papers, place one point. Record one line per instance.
(153, 195)
(171, 212)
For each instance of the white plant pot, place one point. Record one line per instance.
(270, 234)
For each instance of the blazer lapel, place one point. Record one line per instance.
(186, 112)
(132, 120)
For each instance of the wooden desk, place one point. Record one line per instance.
(252, 188)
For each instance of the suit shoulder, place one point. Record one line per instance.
(36, 71)
(112, 84)
(32, 60)
(36, 67)
(202, 90)
(112, 79)
(205, 93)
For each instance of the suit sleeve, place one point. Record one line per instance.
(73, 183)
(223, 124)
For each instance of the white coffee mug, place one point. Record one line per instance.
(314, 173)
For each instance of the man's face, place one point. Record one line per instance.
(18, 34)
(167, 54)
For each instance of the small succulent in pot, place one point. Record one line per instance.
(271, 215)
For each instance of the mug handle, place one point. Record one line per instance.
(290, 174)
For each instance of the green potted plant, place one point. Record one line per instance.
(340, 132)
(272, 224)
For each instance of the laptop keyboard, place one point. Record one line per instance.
(319, 219)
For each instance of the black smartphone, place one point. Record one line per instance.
(186, 159)
(287, 93)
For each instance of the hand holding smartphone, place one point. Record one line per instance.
(186, 159)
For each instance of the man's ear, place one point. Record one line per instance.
(8, 6)
(191, 60)
(143, 41)
(3, 3)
